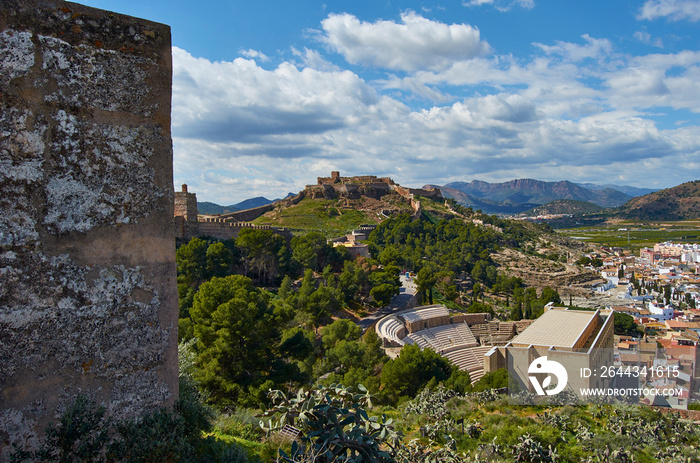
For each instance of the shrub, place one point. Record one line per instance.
(81, 434)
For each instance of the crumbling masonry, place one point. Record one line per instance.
(88, 301)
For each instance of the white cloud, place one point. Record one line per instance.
(657, 80)
(502, 5)
(576, 111)
(313, 59)
(250, 53)
(594, 49)
(645, 38)
(414, 44)
(241, 102)
(674, 10)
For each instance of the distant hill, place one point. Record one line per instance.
(253, 202)
(523, 194)
(205, 207)
(628, 190)
(681, 202)
(565, 206)
(486, 205)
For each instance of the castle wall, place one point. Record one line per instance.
(248, 214)
(432, 193)
(88, 301)
(224, 230)
(293, 200)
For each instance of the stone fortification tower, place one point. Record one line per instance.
(186, 224)
(88, 302)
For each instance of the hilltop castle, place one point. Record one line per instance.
(364, 185)
(224, 226)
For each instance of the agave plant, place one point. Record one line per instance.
(529, 449)
(334, 426)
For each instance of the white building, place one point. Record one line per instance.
(660, 312)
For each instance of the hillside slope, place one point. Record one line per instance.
(564, 206)
(681, 202)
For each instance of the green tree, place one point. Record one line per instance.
(492, 380)
(219, 260)
(383, 293)
(322, 303)
(480, 307)
(185, 297)
(340, 330)
(425, 280)
(236, 334)
(313, 251)
(191, 259)
(411, 370)
(352, 361)
(285, 287)
(297, 343)
(549, 295)
(624, 325)
(264, 253)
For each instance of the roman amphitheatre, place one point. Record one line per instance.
(464, 339)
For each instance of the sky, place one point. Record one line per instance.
(268, 95)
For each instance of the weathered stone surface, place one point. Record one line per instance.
(88, 301)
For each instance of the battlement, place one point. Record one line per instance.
(335, 179)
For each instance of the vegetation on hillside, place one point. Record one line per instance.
(681, 202)
(259, 309)
(564, 206)
(338, 424)
(330, 217)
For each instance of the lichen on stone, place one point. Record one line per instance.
(96, 78)
(103, 176)
(16, 54)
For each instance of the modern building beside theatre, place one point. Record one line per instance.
(576, 339)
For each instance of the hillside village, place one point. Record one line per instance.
(660, 291)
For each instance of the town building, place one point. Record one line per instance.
(576, 339)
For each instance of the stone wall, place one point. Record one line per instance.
(247, 215)
(224, 230)
(472, 318)
(88, 301)
(418, 325)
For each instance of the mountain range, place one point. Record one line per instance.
(520, 195)
(205, 207)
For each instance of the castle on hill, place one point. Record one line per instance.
(364, 185)
(188, 223)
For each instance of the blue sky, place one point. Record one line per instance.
(268, 95)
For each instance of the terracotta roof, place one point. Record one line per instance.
(676, 325)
